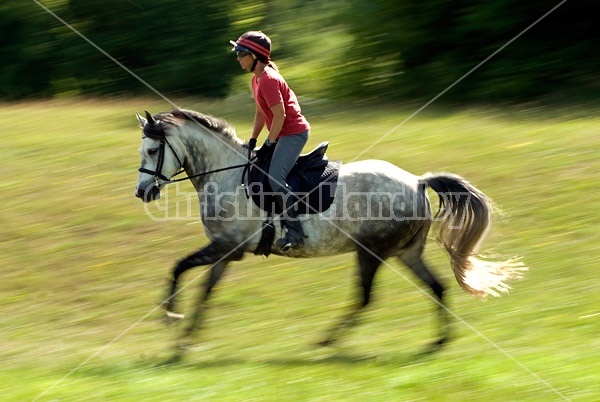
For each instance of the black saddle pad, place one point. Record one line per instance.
(313, 180)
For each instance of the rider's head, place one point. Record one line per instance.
(257, 44)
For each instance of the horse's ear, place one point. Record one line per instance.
(141, 120)
(149, 118)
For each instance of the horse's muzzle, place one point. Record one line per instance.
(149, 193)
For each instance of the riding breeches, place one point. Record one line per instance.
(286, 153)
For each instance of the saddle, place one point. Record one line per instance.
(313, 180)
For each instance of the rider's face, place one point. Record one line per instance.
(245, 60)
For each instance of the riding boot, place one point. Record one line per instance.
(294, 235)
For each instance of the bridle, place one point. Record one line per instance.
(157, 174)
(161, 160)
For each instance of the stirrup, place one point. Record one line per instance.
(289, 242)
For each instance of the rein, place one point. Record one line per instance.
(161, 159)
(244, 165)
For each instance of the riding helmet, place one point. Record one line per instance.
(254, 42)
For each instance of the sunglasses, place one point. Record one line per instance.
(241, 54)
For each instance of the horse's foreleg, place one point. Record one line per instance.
(214, 276)
(368, 264)
(215, 253)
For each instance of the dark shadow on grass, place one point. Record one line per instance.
(183, 358)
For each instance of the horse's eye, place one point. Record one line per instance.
(152, 151)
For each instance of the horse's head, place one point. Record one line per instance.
(159, 160)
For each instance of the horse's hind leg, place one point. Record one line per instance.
(413, 259)
(368, 264)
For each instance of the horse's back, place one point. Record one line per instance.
(374, 173)
(376, 203)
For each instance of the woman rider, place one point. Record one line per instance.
(276, 107)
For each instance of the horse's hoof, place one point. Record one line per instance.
(437, 345)
(171, 317)
(175, 358)
(183, 345)
(174, 316)
(325, 343)
(440, 342)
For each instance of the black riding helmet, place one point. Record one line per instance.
(256, 43)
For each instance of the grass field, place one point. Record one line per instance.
(83, 268)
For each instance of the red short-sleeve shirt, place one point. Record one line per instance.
(271, 89)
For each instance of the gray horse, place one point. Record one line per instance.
(379, 211)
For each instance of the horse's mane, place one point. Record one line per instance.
(179, 117)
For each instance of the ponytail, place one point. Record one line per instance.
(267, 61)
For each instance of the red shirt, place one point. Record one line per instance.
(271, 89)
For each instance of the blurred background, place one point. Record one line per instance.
(348, 49)
(83, 266)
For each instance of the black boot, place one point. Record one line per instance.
(294, 235)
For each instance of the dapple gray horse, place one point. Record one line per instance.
(379, 211)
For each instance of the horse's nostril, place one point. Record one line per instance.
(149, 193)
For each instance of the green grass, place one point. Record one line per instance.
(83, 267)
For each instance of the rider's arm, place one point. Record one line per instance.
(278, 119)
(259, 123)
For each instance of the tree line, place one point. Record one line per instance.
(351, 49)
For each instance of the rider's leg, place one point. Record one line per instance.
(286, 153)
(294, 235)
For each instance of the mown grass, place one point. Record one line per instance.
(83, 267)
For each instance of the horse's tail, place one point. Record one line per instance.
(465, 217)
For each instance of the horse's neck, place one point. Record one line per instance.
(213, 152)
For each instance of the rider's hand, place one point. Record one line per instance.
(265, 151)
(251, 144)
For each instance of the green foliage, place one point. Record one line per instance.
(417, 49)
(26, 52)
(351, 49)
(175, 46)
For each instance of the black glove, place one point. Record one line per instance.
(252, 144)
(265, 151)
